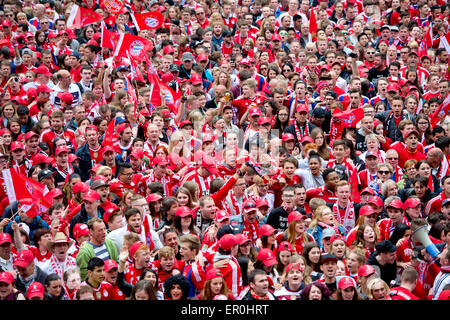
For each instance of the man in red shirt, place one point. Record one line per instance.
(56, 130)
(435, 204)
(96, 280)
(411, 151)
(408, 284)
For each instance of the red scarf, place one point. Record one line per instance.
(348, 221)
(298, 133)
(251, 230)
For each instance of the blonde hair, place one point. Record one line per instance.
(318, 216)
(175, 137)
(373, 282)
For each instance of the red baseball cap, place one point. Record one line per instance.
(168, 49)
(80, 229)
(108, 149)
(183, 211)
(121, 127)
(153, 197)
(30, 134)
(221, 215)
(61, 149)
(262, 203)
(135, 248)
(24, 258)
(80, 187)
(209, 164)
(264, 120)
(242, 238)
(375, 200)
(254, 112)
(5, 238)
(307, 139)
(137, 153)
(208, 137)
(365, 270)
(249, 205)
(393, 86)
(267, 257)
(43, 70)
(368, 190)
(43, 88)
(266, 230)
(185, 123)
(160, 160)
(410, 132)
(6, 277)
(285, 246)
(91, 196)
(366, 210)
(412, 203)
(397, 204)
(228, 241)
(213, 273)
(110, 264)
(202, 57)
(40, 158)
(67, 97)
(302, 108)
(287, 137)
(16, 145)
(55, 193)
(276, 37)
(196, 79)
(346, 282)
(295, 216)
(245, 61)
(336, 237)
(36, 289)
(108, 212)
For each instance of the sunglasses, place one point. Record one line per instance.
(384, 172)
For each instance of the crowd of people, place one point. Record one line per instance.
(300, 151)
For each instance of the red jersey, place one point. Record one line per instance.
(132, 275)
(119, 188)
(48, 136)
(202, 182)
(322, 193)
(400, 293)
(435, 204)
(387, 228)
(104, 291)
(231, 273)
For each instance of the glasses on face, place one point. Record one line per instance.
(129, 174)
(9, 15)
(392, 159)
(286, 70)
(370, 52)
(384, 172)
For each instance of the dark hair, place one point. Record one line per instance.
(254, 273)
(326, 172)
(146, 286)
(130, 212)
(399, 232)
(326, 293)
(51, 277)
(95, 262)
(181, 281)
(38, 235)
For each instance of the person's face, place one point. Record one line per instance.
(54, 287)
(412, 141)
(315, 293)
(396, 215)
(135, 222)
(183, 199)
(288, 198)
(424, 170)
(60, 250)
(338, 248)
(327, 217)
(141, 295)
(142, 257)
(176, 292)
(260, 285)
(73, 281)
(171, 240)
(167, 263)
(329, 268)
(216, 285)
(99, 232)
(187, 254)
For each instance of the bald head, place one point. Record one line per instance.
(434, 157)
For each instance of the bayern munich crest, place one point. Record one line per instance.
(151, 22)
(136, 47)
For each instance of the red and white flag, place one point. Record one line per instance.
(109, 39)
(81, 17)
(427, 42)
(136, 73)
(135, 45)
(20, 187)
(312, 26)
(343, 119)
(445, 42)
(443, 110)
(148, 20)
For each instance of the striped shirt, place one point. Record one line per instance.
(101, 251)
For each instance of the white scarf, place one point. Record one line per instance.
(348, 222)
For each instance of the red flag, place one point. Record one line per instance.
(19, 187)
(312, 24)
(135, 45)
(136, 73)
(81, 17)
(148, 20)
(113, 6)
(427, 42)
(442, 110)
(342, 119)
(172, 98)
(109, 39)
(110, 135)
